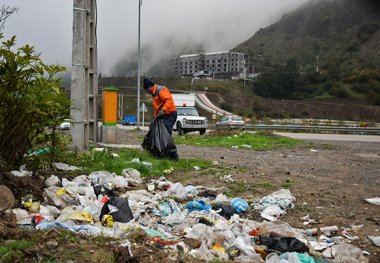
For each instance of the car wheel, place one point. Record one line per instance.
(179, 128)
(203, 131)
(229, 127)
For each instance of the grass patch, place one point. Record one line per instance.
(287, 184)
(104, 161)
(238, 187)
(303, 208)
(243, 140)
(8, 252)
(265, 185)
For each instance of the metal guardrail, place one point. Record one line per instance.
(325, 129)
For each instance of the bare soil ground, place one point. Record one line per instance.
(330, 181)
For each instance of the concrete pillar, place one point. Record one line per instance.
(84, 81)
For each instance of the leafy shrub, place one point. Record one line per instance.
(226, 107)
(339, 91)
(362, 88)
(31, 100)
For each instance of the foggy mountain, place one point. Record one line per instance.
(200, 26)
(154, 63)
(327, 31)
(343, 33)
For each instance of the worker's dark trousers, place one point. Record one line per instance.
(169, 121)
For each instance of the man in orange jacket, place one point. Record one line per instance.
(164, 106)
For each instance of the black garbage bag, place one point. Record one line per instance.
(99, 189)
(284, 244)
(158, 140)
(119, 209)
(226, 210)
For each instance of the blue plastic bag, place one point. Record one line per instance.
(239, 205)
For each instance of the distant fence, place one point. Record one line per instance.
(319, 129)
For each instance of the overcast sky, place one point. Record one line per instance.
(218, 25)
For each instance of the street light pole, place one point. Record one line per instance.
(138, 69)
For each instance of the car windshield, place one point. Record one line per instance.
(237, 119)
(187, 111)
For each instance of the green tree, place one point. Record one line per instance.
(31, 102)
(282, 83)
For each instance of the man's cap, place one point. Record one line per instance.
(147, 83)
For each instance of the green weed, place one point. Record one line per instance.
(303, 208)
(130, 158)
(242, 140)
(8, 252)
(287, 184)
(265, 185)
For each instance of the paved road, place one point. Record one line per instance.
(331, 137)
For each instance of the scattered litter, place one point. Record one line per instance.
(65, 167)
(190, 219)
(22, 172)
(374, 201)
(146, 164)
(52, 181)
(325, 230)
(239, 205)
(276, 204)
(167, 171)
(150, 187)
(308, 220)
(348, 235)
(228, 178)
(196, 168)
(215, 163)
(375, 240)
(345, 253)
(132, 175)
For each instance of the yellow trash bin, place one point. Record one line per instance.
(109, 112)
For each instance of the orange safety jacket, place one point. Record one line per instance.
(162, 100)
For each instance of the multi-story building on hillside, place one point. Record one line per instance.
(224, 64)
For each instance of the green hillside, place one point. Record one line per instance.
(324, 49)
(339, 31)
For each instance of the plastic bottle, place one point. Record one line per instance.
(325, 230)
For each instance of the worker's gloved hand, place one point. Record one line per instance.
(160, 114)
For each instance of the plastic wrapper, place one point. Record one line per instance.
(52, 181)
(118, 208)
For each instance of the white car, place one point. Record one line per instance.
(230, 122)
(65, 125)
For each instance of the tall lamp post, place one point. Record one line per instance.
(138, 69)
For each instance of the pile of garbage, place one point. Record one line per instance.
(194, 220)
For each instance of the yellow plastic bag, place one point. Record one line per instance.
(107, 221)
